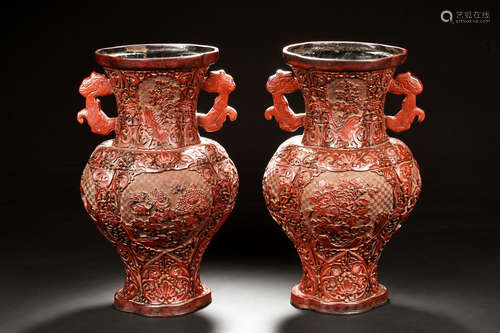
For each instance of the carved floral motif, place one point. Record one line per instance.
(156, 109)
(344, 109)
(158, 192)
(193, 201)
(346, 97)
(340, 211)
(338, 217)
(155, 212)
(165, 281)
(340, 190)
(345, 277)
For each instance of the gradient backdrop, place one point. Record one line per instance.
(58, 274)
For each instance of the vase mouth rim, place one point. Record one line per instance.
(343, 55)
(157, 56)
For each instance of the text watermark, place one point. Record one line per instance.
(466, 17)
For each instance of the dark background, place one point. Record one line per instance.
(446, 255)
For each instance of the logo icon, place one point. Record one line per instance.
(447, 16)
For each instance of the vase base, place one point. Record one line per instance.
(301, 301)
(173, 310)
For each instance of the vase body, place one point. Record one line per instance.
(340, 190)
(157, 191)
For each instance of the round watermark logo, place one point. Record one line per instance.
(447, 16)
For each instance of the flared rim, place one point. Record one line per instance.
(157, 56)
(343, 55)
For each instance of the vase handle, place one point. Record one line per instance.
(92, 87)
(410, 86)
(281, 83)
(223, 84)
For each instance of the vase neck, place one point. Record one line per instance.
(344, 109)
(156, 109)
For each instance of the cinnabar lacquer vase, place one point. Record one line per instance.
(158, 191)
(340, 190)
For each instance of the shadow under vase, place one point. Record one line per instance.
(389, 318)
(107, 319)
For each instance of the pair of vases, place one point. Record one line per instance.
(159, 192)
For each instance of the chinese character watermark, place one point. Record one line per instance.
(466, 17)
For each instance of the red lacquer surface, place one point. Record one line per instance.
(410, 86)
(222, 84)
(158, 191)
(279, 84)
(340, 190)
(92, 87)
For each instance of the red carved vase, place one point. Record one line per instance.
(340, 190)
(158, 191)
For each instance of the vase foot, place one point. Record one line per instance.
(301, 301)
(173, 310)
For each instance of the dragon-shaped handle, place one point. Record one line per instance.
(91, 88)
(223, 84)
(409, 85)
(281, 83)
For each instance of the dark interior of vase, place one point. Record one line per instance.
(344, 51)
(149, 51)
